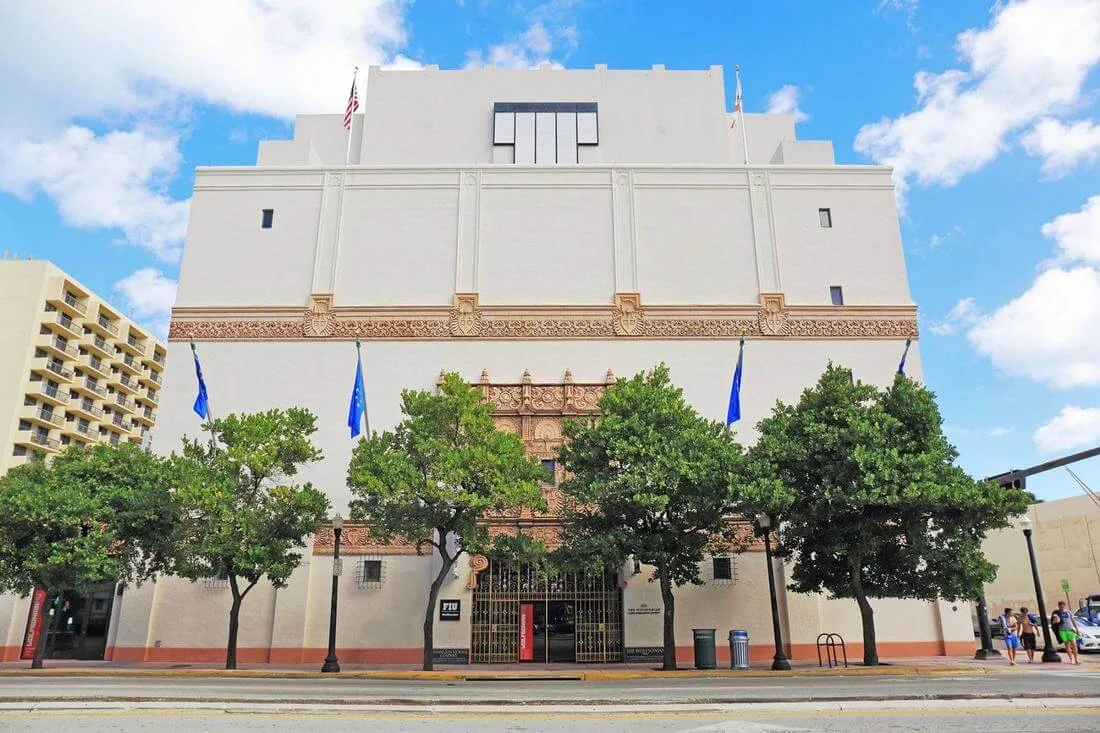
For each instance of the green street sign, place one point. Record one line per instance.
(1065, 585)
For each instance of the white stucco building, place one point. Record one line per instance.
(538, 232)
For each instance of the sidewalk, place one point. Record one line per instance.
(800, 668)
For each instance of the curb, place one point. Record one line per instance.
(490, 676)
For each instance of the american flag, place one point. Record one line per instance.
(353, 105)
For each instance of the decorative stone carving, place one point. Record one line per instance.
(465, 315)
(628, 314)
(478, 564)
(773, 317)
(319, 321)
(355, 539)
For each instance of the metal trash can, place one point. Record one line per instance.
(704, 648)
(739, 649)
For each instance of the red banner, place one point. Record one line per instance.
(34, 624)
(526, 631)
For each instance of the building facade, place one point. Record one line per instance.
(542, 233)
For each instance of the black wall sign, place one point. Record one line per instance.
(450, 610)
(644, 653)
(451, 656)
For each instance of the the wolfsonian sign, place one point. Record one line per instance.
(450, 610)
(643, 609)
(451, 656)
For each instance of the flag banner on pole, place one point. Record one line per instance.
(904, 354)
(202, 401)
(357, 410)
(737, 97)
(353, 104)
(733, 414)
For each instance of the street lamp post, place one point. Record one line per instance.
(1050, 654)
(779, 661)
(332, 664)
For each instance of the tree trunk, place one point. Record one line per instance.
(429, 612)
(669, 618)
(47, 627)
(867, 614)
(234, 624)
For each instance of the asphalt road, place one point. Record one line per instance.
(1015, 683)
(1053, 716)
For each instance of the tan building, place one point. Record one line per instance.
(73, 369)
(1066, 534)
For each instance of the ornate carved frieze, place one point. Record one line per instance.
(627, 318)
(356, 540)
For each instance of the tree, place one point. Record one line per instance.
(441, 472)
(871, 501)
(91, 515)
(653, 479)
(240, 518)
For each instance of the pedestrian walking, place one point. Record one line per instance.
(1067, 630)
(1028, 625)
(1010, 625)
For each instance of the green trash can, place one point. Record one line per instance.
(704, 648)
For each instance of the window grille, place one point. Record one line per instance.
(723, 570)
(369, 572)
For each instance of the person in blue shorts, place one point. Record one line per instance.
(1011, 627)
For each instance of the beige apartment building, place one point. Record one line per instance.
(73, 369)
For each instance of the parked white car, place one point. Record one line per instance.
(1088, 635)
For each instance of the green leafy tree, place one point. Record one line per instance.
(90, 516)
(652, 479)
(240, 516)
(441, 472)
(871, 501)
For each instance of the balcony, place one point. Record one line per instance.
(47, 366)
(90, 387)
(44, 417)
(127, 384)
(58, 347)
(129, 363)
(125, 404)
(101, 348)
(64, 324)
(150, 396)
(152, 356)
(146, 416)
(69, 303)
(52, 395)
(42, 441)
(82, 432)
(103, 326)
(96, 366)
(85, 407)
(117, 423)
(150, 377)
(133, 344)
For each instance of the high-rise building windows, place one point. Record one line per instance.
(545, 133)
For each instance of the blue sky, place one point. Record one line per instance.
(990, 114)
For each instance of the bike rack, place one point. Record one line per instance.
(830, 644)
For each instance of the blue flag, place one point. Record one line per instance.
(734, 412)
(901, 364)
(202, 401)
(357, 411)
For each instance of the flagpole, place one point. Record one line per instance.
(741, 114)
(351, 123)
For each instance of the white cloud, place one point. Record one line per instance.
(908, 7)
(1077, 235)
(1049, 333)
(149, 295)
(1029, 63)
(530, 49)
(117, 180)
(784, 101)
(1063, 147)
(965, 313)
(1073, 427)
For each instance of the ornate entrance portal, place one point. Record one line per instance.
(520, 614)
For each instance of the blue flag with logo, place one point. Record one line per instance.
(357, 411)
(733, 414)
(901, 364)
(202, 401)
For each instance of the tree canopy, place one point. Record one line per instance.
(871, 501)
(240, 518)
(91, 515)
(651, 478)
(442, 471)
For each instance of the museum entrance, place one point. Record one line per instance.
(80, 628)
(521, 614)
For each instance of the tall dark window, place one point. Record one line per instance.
(836, 295)
(825, 216)
(548, 465)
(722, 568)
(267, 218)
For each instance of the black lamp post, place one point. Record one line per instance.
(332, 664)
(1050, 654)
(779, 661)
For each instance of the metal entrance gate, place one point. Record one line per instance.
(596, 600)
